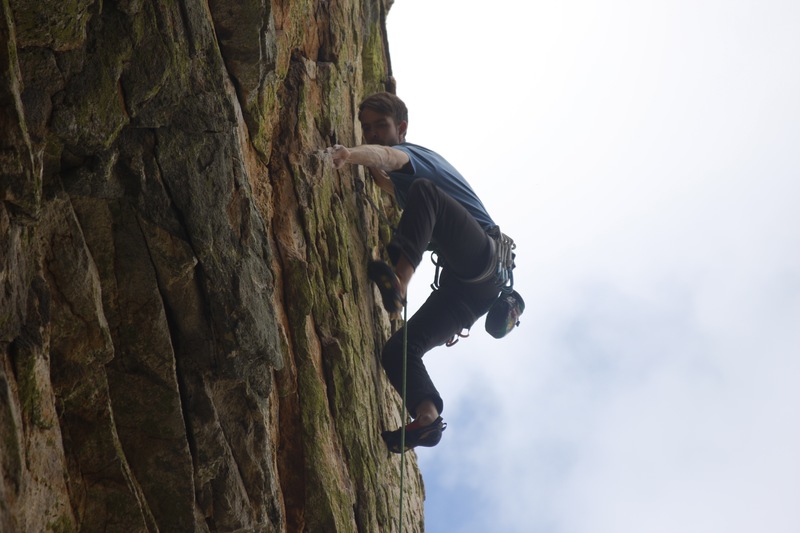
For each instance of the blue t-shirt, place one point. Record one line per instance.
(430, 165)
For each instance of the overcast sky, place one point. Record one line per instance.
(646, 158)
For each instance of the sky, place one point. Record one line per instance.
(645, 156)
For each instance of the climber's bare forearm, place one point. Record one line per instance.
(384, 158)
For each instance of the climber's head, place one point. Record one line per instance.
(384, 119)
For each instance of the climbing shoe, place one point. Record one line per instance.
(427, 436)
(388, 285)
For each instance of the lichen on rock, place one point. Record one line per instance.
(188, 338)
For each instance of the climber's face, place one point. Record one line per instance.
(381, 129)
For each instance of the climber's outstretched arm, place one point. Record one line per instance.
(384, 158)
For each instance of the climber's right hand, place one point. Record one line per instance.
(339, 155)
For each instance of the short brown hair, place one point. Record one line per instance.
(385, 104)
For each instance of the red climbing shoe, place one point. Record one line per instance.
(388, 285)
(416, 435)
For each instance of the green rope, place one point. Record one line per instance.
(359, 187)
(403, 418)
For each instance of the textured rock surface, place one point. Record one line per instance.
(187, 338)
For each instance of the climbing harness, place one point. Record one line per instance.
(504, 313)
(501, 268)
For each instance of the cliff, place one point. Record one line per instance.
(188, 338)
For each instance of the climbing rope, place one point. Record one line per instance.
(358, 185)
(403, 417)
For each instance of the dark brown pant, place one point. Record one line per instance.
(464, 248)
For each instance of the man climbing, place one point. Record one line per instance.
(442, 211)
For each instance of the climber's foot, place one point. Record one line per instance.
(389, 286)
(416, 435)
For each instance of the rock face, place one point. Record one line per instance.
(188, 340)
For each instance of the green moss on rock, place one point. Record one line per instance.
(373, 63)
(56, 24)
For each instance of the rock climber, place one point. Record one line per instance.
(441, 212)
